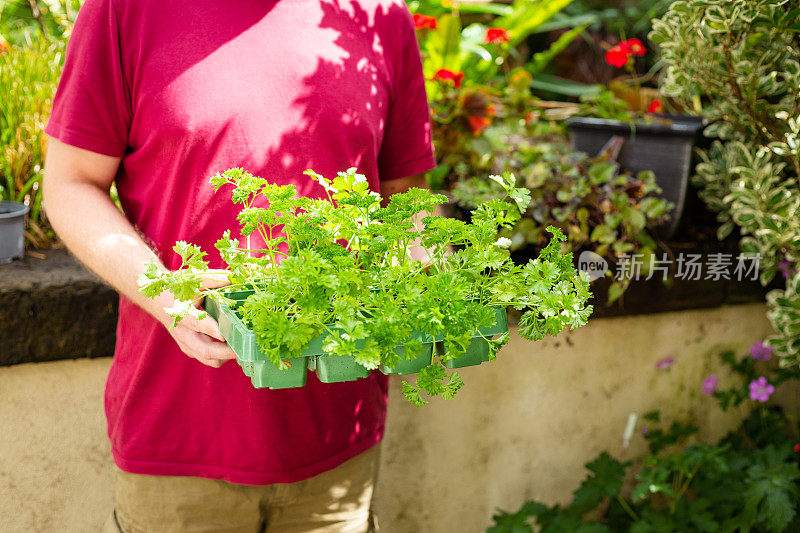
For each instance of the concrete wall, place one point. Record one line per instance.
(521, 428)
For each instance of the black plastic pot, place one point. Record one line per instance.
(666, 149)
(12, 226)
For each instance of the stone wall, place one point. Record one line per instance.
(522, 427)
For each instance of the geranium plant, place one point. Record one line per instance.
(599, 208)
(339, 268)
(747, 481)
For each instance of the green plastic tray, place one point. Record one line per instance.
(338, 368)
(478, 350)
(333, 368)
(263, 374)
(410, 366)
(267, 375)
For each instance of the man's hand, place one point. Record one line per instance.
(196, 339)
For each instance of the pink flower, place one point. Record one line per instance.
(760, 389)
(446, 75)
(760, 351)
(710, 385)
(496, 36)
(665, 363)
(424, 21)
(618, 56)
(786, 269)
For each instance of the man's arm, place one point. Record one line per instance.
(76, 185)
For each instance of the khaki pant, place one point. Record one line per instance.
(337, 501)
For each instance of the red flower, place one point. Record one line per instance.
(446, 75)
(424, 21)
(655, 106)
(797, 448)
(478, 124)
(634, 46)
(618, 56)
(496, 36)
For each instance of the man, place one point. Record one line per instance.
(158, 96)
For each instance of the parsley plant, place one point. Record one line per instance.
(340, 267)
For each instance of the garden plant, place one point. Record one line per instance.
(486, 120)
(598, 208)
(28, 77)
(748, 481)
(337, 270)
(741, 60)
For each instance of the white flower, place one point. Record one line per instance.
(503, 242)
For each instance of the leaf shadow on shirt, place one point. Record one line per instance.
(344, 107)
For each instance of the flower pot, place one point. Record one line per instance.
(12, 226)
(478, 350)
(666, 149)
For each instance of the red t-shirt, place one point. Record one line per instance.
(183, 89)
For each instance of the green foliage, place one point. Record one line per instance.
(748, 481)
(587, 198)
(458, 47)
(26, 21)
(28, 77)
(341, 266)
(473, 84)
(740, 61)
(620, 17)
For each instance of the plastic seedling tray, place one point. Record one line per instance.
(338, 368)
(478, 350)
(264, 374)
(412, 366)
(267, 375)
(333, 368)
(261, 371)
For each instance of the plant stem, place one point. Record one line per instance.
(624, 504)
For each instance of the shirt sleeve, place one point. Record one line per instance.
(407, 148)
(91, 108)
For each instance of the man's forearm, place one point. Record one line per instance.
(100, 236)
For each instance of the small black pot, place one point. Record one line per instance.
(12, 226)
(666, 149)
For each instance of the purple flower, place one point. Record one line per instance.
(760, 389)
(644, 430)
(786, 269)
(760, 351)
(665, 363)
(710, 385)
